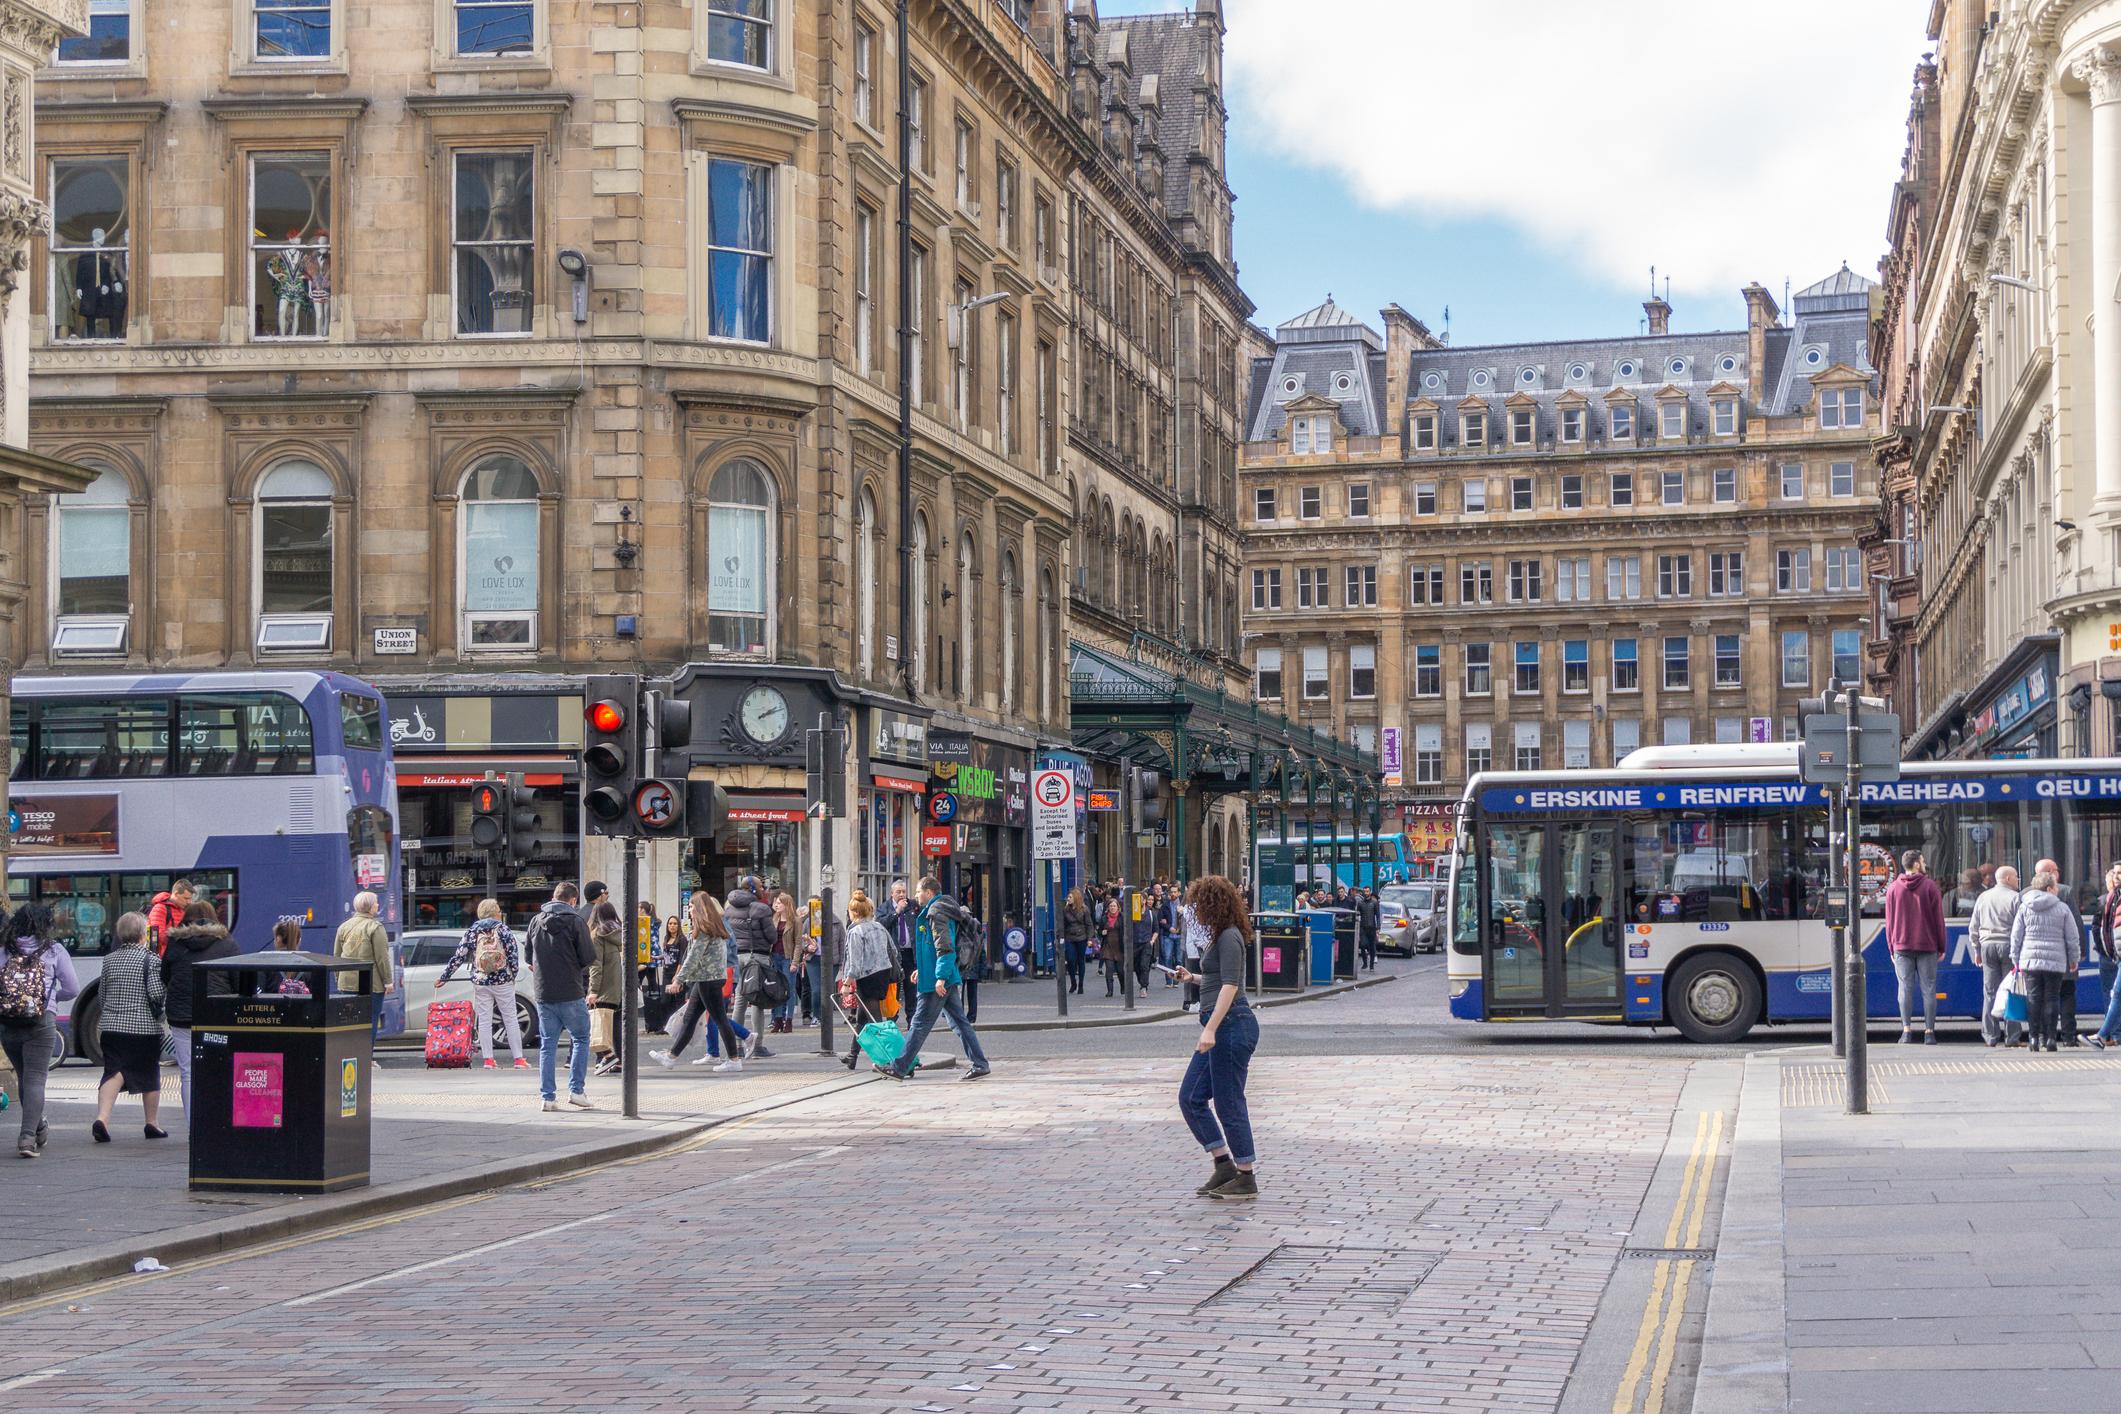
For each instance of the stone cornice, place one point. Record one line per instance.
(287, 106)
(139, 112)
(558, 354)
(550, 105)
(748, 114)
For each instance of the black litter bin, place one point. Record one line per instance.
(1279, 955)
(1346, 940)
(280, 1080)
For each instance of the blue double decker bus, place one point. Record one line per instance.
(273, 792)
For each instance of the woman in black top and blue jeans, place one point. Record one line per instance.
(1212, 1098)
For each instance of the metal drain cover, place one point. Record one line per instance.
(1668, 1254)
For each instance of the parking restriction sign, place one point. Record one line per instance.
(1053, 815)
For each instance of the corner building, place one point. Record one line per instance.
(475, 345)
(1538, 555)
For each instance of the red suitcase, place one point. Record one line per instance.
(449, 1035)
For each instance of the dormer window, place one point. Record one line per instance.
(1620, 421)
(1671, 420)
(1425, 432)
(1310, 435)
(1624, 371)
(1520, 427)
(1840, 407)
(1725, 411)
(1480, 378)
(1473, 429)
(1527, 377)
(1572, 424)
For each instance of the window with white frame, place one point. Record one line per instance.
(917, 631)
(1428, 670)
(916, 326)
(865, 74)
(1476, 583)
(1675, 576)
(1671, 420)
(1621, 491)
(291, 29)
(1627, 666)
(1428, 754)
(1480, 669)
(1473, 497)
(1623, 577)
(290, 245)
(1480, 748)
(1572, 579)
(1725, 412)
(917, 121)
(1672, 486)
(1363, 737)
(91, 247)
(1793, 570)
(92, 549)
(1841, 408)
(1362, 586)
(494, 242)
(1520, 493)
(1521, 427)
(865, 535)
(961, 162)
(1317, 686)
(1425, 432)
(1263, 503)
(740, 559)
(740, 32)
(1841, 479)
(1627, 737)
(1730, 667)
(1678, 731)
(498, 556)
(1572, 491)
(1796, 658)
(1362, 671)
(1005, 201)
(1425, 498)
(109, 39)
(962, 388)
(1791, 481)
(491, 27)
(1572, 424)
(1473, 429)
(1359, 500)
(1042, 232)
(1576, 744)
(1526, 737)
(1310, 503)
(1576, 665)
(1620, 421)
(1310, 587)
(1726, 573)
(864, 290)
(1724, 483)
(740, 251)
(1848, 654)
(1527, 581)
(1844, 569)
(1525, 661)
(1005, 383)
(1267, 674)
(294, 558)
(1678, 671)
(1321, 434)
(1266, 589)
(1729, 730)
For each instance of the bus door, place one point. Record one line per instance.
(1553, 919)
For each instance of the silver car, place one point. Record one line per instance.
(426, 951)
(1410, 918)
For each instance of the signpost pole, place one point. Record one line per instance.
(1856, 1009)
(1130, 910)
(630, 1006)
(1060, 944)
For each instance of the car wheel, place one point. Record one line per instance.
(527, 1019)
(1713, 998)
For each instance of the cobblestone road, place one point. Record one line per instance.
(1028, 1243)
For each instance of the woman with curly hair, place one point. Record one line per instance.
(1212, 1097)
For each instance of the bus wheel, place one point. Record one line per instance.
(1714, 998)
(88, 1029)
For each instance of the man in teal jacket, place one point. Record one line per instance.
(939, 984)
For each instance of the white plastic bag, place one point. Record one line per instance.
(2013, 986)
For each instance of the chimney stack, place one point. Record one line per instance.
(1761, 315)
(1660, 315)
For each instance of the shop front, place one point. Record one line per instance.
(981, 789)
(2011, 713)
(446, 740)
(1429, 826)
(893, 780)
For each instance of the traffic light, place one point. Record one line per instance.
(706, 807)
(523, 840)
(611, 750)
(489, 814)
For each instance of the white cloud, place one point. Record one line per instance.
(1721, 143)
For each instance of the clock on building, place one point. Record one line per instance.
(763, 714)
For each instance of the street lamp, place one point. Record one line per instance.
(2014, 282)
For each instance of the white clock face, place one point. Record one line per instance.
(763, 714)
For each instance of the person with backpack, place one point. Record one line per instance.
(560, 957)
(495, 958)
(133, 1000)
(165, 912)
(1212, 1096)
(35, 972)
(868, 971)
(607, 983)
(199, 938)
(940, 957)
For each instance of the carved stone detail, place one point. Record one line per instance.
(2099, 69)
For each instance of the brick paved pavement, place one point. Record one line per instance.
(1027, 1243)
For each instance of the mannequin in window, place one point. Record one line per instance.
(505, 258)
(290, 286)
(316, 276)
(99, 290)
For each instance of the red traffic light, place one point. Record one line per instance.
(606, 717)
(485, 798)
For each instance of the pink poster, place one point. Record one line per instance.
(1270, 959)
(259, 1089)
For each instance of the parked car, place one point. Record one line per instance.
(1410, 918)
(425, 952)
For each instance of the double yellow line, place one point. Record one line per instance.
(1657, 1339)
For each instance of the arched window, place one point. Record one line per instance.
(967, 613)
(1108, 558)
(740, 594)
(1048, 644)
(92, 548)
(865, 583)
(1207, 620)
(497, 563)
(917, 631)
(294, 558)
(1012, 610)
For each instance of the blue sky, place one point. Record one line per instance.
(1525, 162)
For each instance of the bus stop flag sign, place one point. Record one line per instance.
(1053, 815)
(1823, 760)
